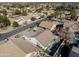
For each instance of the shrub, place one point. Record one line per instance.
(15, 24)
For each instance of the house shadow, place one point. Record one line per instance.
(74, 54)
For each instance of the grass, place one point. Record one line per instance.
(47, 50)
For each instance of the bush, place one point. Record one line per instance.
(24, 13)
(15, 24)
(17, 12)
(56, 14)
(73, 14)
(33, 18)
(1, 25)
(45, 13)
(4, 21)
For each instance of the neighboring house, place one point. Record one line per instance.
(19, 47)
(33, 41)
(72, 24)
(36, 15)
(46, 38)
(77, 11)
(67, 12)
(51, 25)
(25, 46)
(75, 26)
(38, 29)
(9, 49)
(42, 39)
(10, 13)
(31, 33)
(21, 19)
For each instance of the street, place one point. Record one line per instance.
(4, 36)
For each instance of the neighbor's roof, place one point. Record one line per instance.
(23, 17)
(46, 37)
(48, 24)
(25, 46)
(26, 17)
(9, 49)
(30, 33)
(72, 24)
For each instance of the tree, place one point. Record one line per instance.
(4, 21)
(4, 12)
(59, 8)
(17, 12)
(15, 24)
(56, 14)
(1, 25)
(39, 10)
(45, 13)
(47, 7)
(24, 13)
(73, 14)
(13, 5)
(42, 16)
(52, 14)
(33, 18)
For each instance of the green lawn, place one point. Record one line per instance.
(47, 50)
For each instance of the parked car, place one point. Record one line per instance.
(76, 42)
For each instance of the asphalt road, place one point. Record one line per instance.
(18, 30)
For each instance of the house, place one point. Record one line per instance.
(48, 25)
(37, 38)
(38, 29)
(72, 24)
(31, 33)
(33, 41)
(9, 49)
(25, 46)
(10, 13)
(18, 47)
(41, 39)
(77, 12)
(67, 12)
(36, 15)
(46, 38)
(22, 19)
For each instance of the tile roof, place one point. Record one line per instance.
(30, 33)
(25, 46)
(9, 49)
(46, 37)
(48, 24)
(72, 24)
